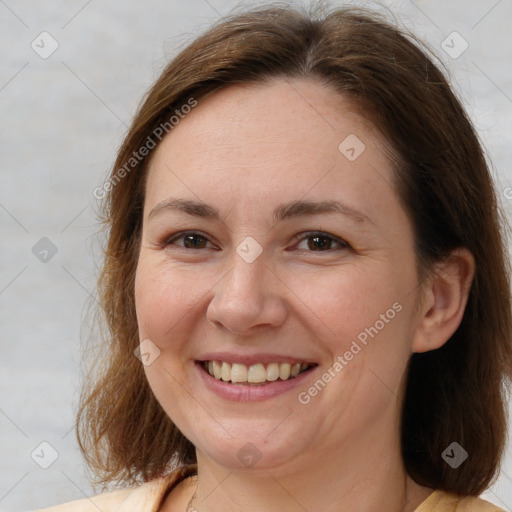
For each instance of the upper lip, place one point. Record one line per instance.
(249, 359)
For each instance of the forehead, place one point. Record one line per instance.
(278, 111)
(283, 138)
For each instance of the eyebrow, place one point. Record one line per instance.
(281, 212)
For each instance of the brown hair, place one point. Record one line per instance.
(454, 393)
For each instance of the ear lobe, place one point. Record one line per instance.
(445, 298)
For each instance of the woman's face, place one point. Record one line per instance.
(269, 279)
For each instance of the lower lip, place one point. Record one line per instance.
(248, 393)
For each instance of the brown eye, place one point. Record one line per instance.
(322, 242)
(191, 240)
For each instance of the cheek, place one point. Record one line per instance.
(163, 303)
(346, 300)
(163, 296)
(369, 312)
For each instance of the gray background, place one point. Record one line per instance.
(63, 118)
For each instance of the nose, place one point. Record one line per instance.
(248, 297)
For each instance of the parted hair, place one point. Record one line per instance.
(458, 392)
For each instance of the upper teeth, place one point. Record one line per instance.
(254, 373)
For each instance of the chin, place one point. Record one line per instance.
(250, 451)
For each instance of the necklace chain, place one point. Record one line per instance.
(190, 507)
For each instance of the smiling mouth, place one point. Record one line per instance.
(256, 374)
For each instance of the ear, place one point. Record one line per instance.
(445, 295)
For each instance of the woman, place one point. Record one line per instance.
(306, 283)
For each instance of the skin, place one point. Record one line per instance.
(244, 150)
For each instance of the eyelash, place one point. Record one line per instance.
(309, 234)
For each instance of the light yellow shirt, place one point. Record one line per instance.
(149, 497)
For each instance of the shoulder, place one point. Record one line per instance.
(107, 502)
(147, 496)
(470, 503)
(444, 501)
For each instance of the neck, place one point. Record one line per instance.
(366, 476)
